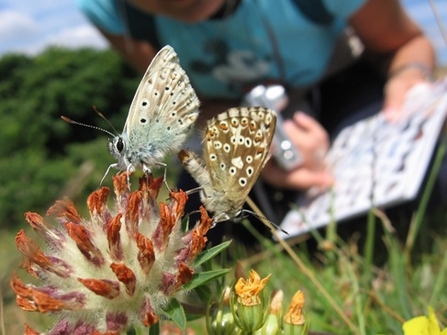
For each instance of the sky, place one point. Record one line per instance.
(31, 26)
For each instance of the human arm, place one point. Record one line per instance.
(403, 54)
(399, 47)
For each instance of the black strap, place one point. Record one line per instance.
(316, 11)
(141, 25)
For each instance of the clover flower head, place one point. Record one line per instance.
(115, 270)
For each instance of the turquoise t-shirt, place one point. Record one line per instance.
(262, 41)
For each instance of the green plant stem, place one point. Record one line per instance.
(153, 330)
(417, 222)
(439, 283)
(369, 244)
(357, 299)
(397, 265)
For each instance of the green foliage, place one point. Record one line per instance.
(42, 155)
(175, 312)
(201, 278)
(210, 253)
(345, 294)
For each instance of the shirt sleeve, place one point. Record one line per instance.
(343, 8)
(104, 14)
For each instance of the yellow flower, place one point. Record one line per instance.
(423, 325)
(294, 320)
(294, 314)
(116, 270)
(250, 309)
(248, 290)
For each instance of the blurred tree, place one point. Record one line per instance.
(40, 152)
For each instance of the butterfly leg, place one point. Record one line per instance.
(195, 190)
(146, 170)
(130, 169)
(221, 217)
(114, 165)
(165, 171)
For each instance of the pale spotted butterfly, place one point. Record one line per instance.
(236, 148)
(161, 116)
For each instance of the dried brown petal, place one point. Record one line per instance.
(46, 303)
(29, 267)
(199, 239)
(146, 254)
(65, 211)
(19, 287)
(184, 274)
(29, 330)
(195, 240)
(205, 221)
(114, 238)
(148, 315)
(31, 299)
(97, 201)
(171, 282)
(120, 184)
(35, 221)
(30, 250)
(50, 235)
(126, 276)
(105, 288)
(164, 229)
(178, 204)
(155, 187)
(81, 236)
(133, 213)
(150, 185)
(26, 304)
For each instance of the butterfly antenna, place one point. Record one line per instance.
(66, 119)
(263, 218)
(105, 119)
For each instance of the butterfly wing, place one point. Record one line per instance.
(163, 111)
(236, 148)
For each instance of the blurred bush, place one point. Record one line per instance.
(41, 156)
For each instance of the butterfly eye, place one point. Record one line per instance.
(120, 145)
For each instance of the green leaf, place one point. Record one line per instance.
(176, 313)
(154, 329)
(202, 278)
(211, 253)
(203, 292)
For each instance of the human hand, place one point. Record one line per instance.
(399, 84)
(312, 141)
